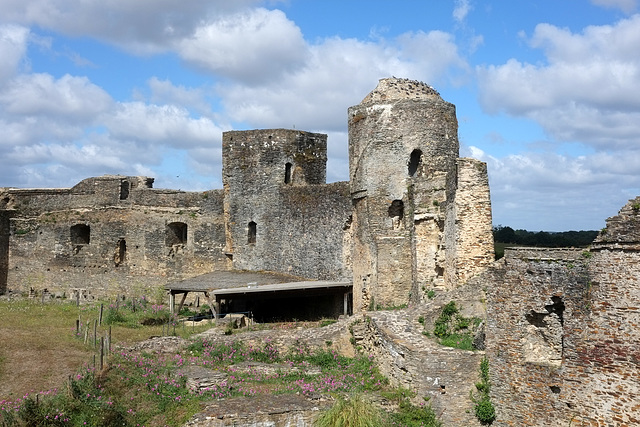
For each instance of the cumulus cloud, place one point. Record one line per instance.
(59, 131)
(167, 124)
(252, 46)
(13, 46)
(143, 26)
(165, 92)
(527, 189)
(587, 89)
(68, 98)
(316, 97)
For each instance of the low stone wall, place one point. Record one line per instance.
(441, 376)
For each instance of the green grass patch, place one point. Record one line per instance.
(454, 330)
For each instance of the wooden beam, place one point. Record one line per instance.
(184, 297)
(211, 303)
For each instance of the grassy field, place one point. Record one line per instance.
(39, 347)
(47, 376)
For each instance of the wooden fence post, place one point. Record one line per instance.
(101, 309)
(101, 353)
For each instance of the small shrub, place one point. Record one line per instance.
(484, 409)
(431, 294)
(355, 412)
(485, 412)
(114, 316)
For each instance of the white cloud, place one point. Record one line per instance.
(67, 98)
(528, 189)
(317, 97)
(13, 46)
(165, 92)
(461, 10)
(143, 26)
(59, 131)
(627, 6)
(252, 46)
(167, 124)
(587, 91)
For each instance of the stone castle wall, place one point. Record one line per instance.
(64, 242)
(474, 239)
(281, 214)
(394, 223)
(562, 331)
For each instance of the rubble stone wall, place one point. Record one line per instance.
(68, 245)
(474, 242)
(562, 331)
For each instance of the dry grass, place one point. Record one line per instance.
(39, 348)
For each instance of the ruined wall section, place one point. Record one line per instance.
(4, 249)
(474, 251)
(276, 202)
(61, 243)
(403, 146)
(442, 376)
(607, 361)
(562, 331)
(537, 305)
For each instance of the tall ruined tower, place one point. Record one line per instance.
(403, 148)
(260, 169)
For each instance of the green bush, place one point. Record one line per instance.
(484, 409)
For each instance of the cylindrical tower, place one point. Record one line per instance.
(403, 146)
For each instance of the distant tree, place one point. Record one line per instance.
(504, 234)
(507, 235)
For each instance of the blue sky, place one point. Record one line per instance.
(547, 92)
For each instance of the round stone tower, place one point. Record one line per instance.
(403, 149)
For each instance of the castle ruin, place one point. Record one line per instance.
(562, 326)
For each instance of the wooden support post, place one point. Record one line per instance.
(184, 297)
(346, 304)
(172, 302)
(212, 304)
(101, 311)
(95, 333)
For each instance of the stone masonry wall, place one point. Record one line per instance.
(441, 376)
(62, 244)
(537, 303)
(402, 152)
(280, 215)
(474, 242)
(562, 332)
(4, 250)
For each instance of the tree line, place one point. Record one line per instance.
(507, 236)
